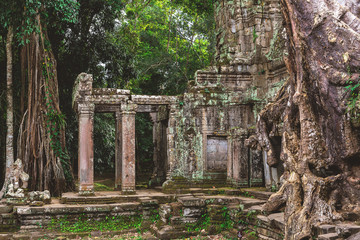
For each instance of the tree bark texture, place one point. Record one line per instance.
(41, 141)
(9, 110)
(320, 144)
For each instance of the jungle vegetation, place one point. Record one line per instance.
(146, 46)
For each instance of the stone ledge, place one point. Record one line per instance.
(71, 209)
(328, 236)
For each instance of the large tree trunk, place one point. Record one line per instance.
(41, 142)
(9, 111)
(320, 143)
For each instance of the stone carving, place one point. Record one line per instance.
(17, 188)
(16, 174)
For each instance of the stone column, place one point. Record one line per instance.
(118, 152)
(204, 132)
(171, 141)
(128, 111)
(230, 160)
(232, 157)
(271, 174)
(86, 152)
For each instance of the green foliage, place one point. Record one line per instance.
(154, 216)
(22, 15)
(102, 187)
(274, 188)
(227, 223)
(202, 223)
(84, 224)
(246, 194)
(255, 36)
(353, 102)
(168, 41)
(104, 139)
(149, 47)
(55, 122)
(144, 141)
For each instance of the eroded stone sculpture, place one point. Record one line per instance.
(17, 188)
(17, 173)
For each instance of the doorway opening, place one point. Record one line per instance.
(104, 151)
(151, 149)
(144, 149)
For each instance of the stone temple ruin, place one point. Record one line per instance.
(203, 140)
(200, 137)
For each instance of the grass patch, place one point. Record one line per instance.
(83, 224)
(102, 187)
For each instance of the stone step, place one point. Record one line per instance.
(256, 208)
(30, 228)
(347, 229)
(230, 200)
(265, 237)
(190, 201)
(5, 236)
(170, 232)
(328, 236)
(5, 208)
(263, 195)
(354, 236)
(277, 220)
(107, 197)
(269, 233)
(326, 228)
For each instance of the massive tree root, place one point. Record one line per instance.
(41, 141)
(320, 142)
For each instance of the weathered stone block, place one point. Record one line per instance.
(192, 212)
(192, 201)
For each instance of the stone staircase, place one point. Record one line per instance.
(340, 231)
(184, 217)
(179, 215)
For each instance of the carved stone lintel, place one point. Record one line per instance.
(129, 108)
(85, 109)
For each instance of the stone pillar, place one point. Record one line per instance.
(204, 132)
(128, 111)
(270, 174)
(230, 179)
(86, 152)
(118, 152)
(171, 141)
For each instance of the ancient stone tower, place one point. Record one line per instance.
(219, 111)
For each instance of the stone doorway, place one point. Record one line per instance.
(217, 153)
(104, 150)
(150, 149)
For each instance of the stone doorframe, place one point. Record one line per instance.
(87, 101)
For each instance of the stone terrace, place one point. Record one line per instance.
(175, 211)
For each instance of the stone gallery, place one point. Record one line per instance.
(204, 137)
